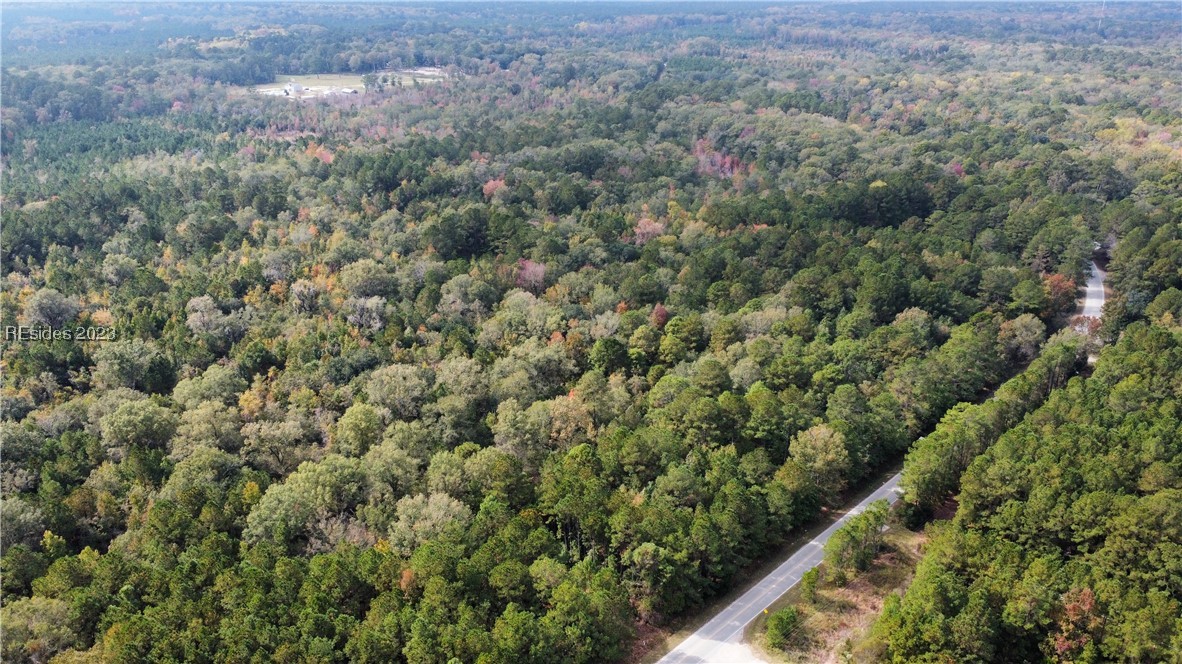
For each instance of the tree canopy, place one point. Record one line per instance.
(572, 314)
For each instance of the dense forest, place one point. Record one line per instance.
(1065, 543)
(546, 354)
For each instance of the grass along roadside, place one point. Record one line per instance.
(652, 642)
(847, 613)
(835, 626)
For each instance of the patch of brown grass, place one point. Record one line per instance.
(647, 638)
(833, 627)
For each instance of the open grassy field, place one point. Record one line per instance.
(309, 80)
(319, 85)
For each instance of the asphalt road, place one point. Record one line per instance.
(720, 641)
(1093, 305)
